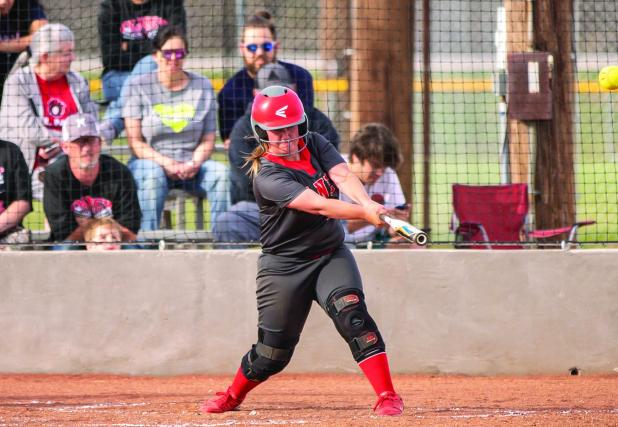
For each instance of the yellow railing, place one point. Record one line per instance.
(446, 86)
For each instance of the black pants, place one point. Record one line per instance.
(286, 287)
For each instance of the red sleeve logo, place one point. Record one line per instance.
(324, 187)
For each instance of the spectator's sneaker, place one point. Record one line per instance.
(223, 402)
(81, 208)
(100, 207)
(389, 403)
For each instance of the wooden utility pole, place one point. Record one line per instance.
(554, 174)
(230, 34)
(334, 28)
(335, 45)
(518, 39)
(381, 73)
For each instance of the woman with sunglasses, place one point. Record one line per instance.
(126, 30)
(258, 47)
(170, 120)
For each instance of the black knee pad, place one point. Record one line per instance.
(348, 310)
(269, 356)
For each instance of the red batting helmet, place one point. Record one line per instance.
(277, 107)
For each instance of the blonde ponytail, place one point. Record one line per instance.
(254, 158)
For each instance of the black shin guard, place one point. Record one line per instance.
(349, 313)
(268, 357)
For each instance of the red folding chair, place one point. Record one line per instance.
(497, 213)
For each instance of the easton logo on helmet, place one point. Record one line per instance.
(281, 112)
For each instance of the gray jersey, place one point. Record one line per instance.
(173, 123)
(290, 232)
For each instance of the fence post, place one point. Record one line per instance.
(381, 73)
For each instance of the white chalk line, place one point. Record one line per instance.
(51, 405)
(507, 413)
(63, 407)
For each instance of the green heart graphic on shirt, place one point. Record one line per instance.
(176, 117)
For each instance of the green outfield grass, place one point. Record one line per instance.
(465, 149)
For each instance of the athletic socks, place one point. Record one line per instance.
(241, 385)
(378, 373)
(375, 368)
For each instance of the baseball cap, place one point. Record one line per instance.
(79, 125)
(273, 74)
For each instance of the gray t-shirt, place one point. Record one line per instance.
(173, 123)
(290, 232)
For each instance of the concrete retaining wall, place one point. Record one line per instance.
(177, 312)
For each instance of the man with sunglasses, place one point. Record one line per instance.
(258, 47)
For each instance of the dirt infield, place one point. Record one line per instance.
(324, 400)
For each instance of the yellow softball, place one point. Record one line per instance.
(608, 77)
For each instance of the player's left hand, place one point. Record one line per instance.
(373, 210)
(402, 212)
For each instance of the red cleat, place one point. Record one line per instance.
(223, 402)
(389, 403)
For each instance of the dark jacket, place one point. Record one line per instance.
(14, 178)
(242, 144)
(17, 25)
(237, 93)
(122, 21)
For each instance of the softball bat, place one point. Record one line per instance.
(406, 230)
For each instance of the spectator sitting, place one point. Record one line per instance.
(103, 234)
(241, 222)
(15, 194)
(85, 185)
(258, 46)
(170, 117)
(126, 31)
(39, 97)
(19, 20)
(374, 157)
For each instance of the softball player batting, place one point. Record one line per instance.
(297, 177)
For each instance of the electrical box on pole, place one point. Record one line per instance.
(529, 93)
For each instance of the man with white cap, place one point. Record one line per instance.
(85, 185)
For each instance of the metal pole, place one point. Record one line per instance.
(500, 91)
(426, 114)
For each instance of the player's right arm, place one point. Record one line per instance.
(311, 202)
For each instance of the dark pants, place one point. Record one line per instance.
(286, 288)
